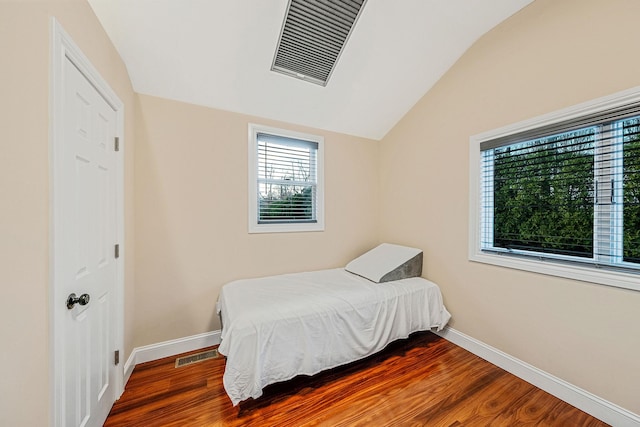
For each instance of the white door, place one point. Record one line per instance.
(84, 253)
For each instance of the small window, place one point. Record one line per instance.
(561, 194)
(285, 181)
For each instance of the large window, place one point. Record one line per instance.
(285, 181)
(561, 194)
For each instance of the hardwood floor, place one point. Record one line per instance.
(422, 381)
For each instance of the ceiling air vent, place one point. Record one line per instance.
(313, 36)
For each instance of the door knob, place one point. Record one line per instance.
(73, 300)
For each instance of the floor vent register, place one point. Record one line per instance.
(195, 358)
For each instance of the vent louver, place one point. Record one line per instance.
(313, 36)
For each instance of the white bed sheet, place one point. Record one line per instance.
(278, 327)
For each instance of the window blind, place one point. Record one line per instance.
(287, 179)
(581, 121)
(568, 192)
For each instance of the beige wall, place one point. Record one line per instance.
(551, 55)
(24, 193)
(191, 214)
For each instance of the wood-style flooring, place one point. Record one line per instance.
(422, 381)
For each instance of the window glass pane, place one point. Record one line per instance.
(285, 163)
(543, 195)
(631, 190)
(283, 202)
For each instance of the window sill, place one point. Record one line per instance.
(285, 228)
(586, 274)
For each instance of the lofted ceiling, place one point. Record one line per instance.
(218, 53)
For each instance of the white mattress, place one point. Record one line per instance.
(278, 327)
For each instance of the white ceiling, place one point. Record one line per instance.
(218, 53)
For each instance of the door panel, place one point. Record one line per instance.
(85, 250)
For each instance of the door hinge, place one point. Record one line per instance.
(116, 144)
(116, 357)
(117, 251)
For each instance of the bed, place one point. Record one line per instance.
(278, 327)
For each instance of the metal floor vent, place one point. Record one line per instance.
(313, 36)
(195, 358)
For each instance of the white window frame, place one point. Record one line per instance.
(621, 279)
(254, 225)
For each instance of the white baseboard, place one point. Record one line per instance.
(600, 408)
(157, 351)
